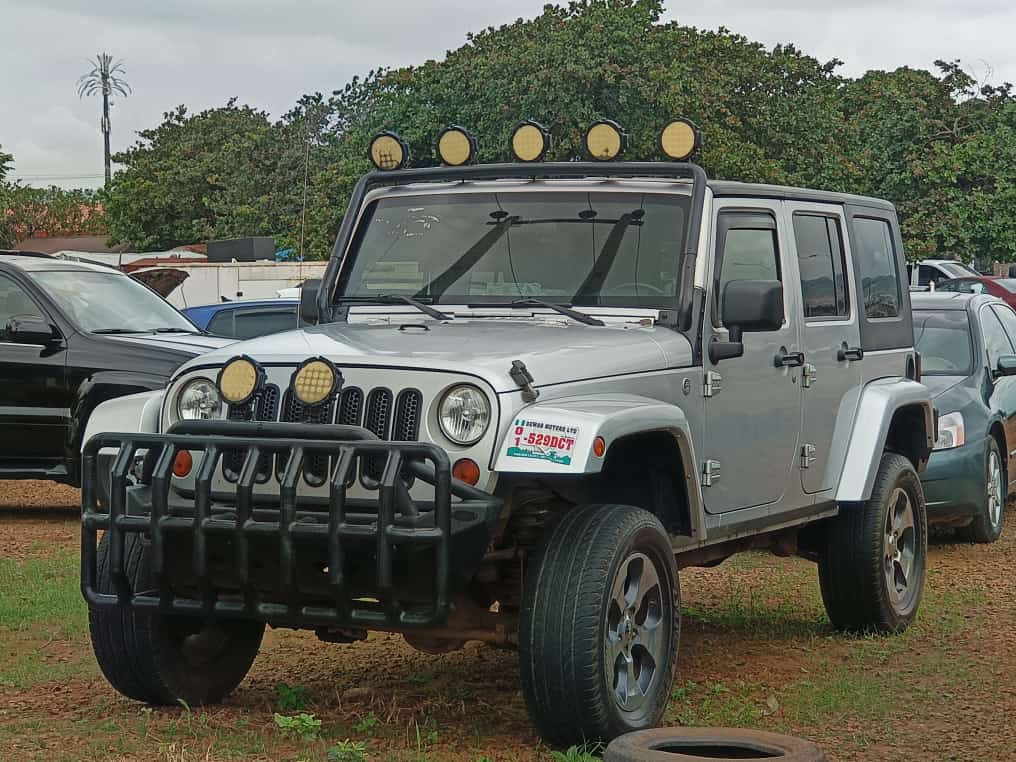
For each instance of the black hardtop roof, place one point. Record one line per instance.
(726, 188)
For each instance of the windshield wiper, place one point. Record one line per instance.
(397, 298)
(117, 330)
(562, 309)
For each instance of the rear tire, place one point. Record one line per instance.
(159, 659)
(600, 624)
(872, 561)
(987, 524)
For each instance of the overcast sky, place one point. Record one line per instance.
(269, 52)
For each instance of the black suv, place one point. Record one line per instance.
(73, 335)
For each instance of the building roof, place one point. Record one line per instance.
(84, 243)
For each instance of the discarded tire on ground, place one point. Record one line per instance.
(712, 744)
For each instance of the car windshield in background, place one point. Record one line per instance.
(943, 339)
(565, 247)
(1009, 284)
(958, 270)
(111, 302)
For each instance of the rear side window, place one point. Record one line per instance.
(876, 261)
(822, 265)
(14, 303)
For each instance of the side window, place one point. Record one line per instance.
(747, 250)
(996, 343)
(927, 274)
(823, 266)
(954, 285)
(222, 324)
(14, 303)
(876, 261)
(251, 324)
(1008, 318)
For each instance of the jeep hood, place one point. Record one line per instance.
(554, 351)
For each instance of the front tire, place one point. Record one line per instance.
(873, 558)
(160, 659)
(987, 524)
(600, 624)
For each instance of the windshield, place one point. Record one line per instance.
(98, 301)
(958, 270)
(1009, 284)
(943, 339)
(579, 248)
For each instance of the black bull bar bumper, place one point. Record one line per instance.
(383, 562)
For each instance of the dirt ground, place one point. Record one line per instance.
(756, 651)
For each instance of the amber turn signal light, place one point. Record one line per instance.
(466, 470)
(183, 464)
(599, 447)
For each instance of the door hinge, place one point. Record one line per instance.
(809, 373)
(710, 473)
(713, 384)
(807, 455)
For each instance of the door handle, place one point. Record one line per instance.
(849, 353)
(785, 359)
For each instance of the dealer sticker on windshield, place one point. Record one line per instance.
(542, 440)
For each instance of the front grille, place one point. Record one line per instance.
(380, 411)
(263, 407)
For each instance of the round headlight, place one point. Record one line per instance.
(198, 400)
(239, 379)
(464, 414)
(314, 382)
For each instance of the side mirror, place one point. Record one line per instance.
(308, 301)
(31, 330)
(748, 306)
(1006, 365)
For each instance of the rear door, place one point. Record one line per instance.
(34, 407)
(830, 338)
(1004, 394)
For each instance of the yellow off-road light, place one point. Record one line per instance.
(388, 151)
(530, 141)
(680, 139)
(456, 146)
(605, 140)
(239, 380)
(314, 381)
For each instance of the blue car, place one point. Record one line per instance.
(245, 320)
(967, 344)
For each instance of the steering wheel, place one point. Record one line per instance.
(637, 286)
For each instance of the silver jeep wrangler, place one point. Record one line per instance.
(528, 394)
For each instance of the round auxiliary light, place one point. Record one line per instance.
(314, 381)
(388, 151)
(680, 139)
(530, 141)
(456, 146)
(605, 140)
(239, 380)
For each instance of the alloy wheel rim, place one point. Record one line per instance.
(900, 549)
(994, 490)
(635, 637)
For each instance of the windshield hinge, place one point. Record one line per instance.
(524, 380)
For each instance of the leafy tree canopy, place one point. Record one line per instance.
(940, 145)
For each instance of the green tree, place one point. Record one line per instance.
(6, 163)
(54, 211)
(106, 78)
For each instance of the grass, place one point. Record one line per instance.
(42, 591)
(837, 682)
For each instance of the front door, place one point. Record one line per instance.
(831, 341)
(33, 390)
(753, 403)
